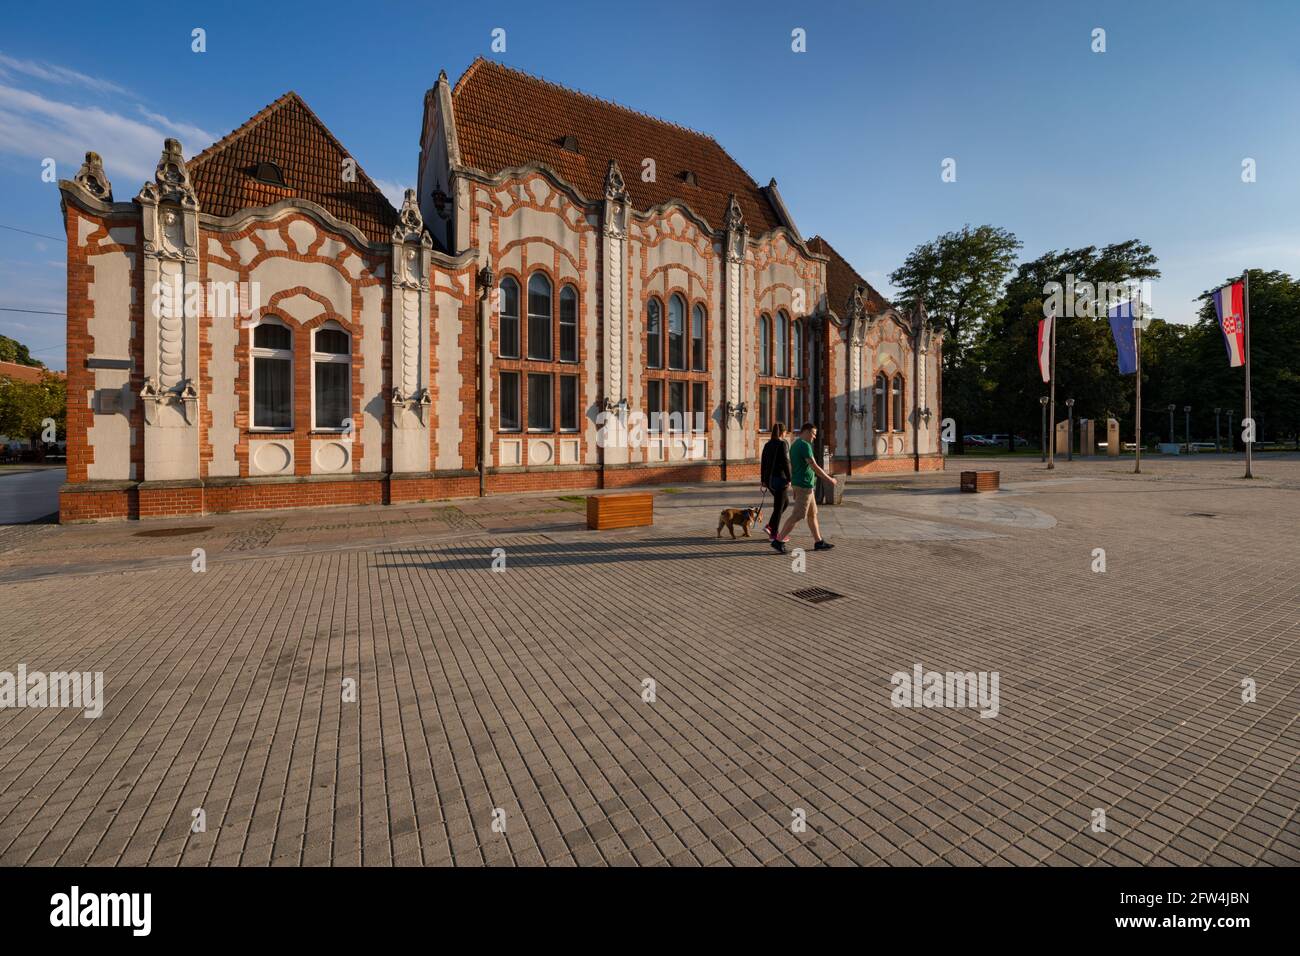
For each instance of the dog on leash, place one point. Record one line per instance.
(745, 517)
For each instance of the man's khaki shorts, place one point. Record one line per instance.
(805, 506)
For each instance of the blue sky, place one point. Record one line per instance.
(1061, 145)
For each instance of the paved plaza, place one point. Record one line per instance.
(660, 695)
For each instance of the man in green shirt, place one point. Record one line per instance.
(803, 479)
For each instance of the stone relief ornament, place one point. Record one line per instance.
(615, 188)
(410, 224)
(735, 220)
(92, 179)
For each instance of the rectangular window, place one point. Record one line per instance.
(764, 408)
(677, 406)
(508, 293)
(699, 414)
(508, 399)
(539, 318)
(654, 403)
(796, 409)
(273, 393)
(697, 338)
(540, 413)
(568, 325)
(783, 407)
(333, 391)
(568, 403)
(509, 336)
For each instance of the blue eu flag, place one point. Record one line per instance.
(1121, 327)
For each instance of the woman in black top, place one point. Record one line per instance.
(775, 474)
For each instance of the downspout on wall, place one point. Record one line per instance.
(487, 281)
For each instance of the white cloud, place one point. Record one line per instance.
(37, 126)
(395, 192)
(56, 74)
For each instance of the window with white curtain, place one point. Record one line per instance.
(272, 384)
(331, 360)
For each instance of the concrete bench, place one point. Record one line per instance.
(976, 481)
(632, 510)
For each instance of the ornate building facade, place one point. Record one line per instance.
(576, 296)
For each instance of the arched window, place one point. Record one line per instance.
(654, 334)
(881, 415)
(539, 317)
(509, 321)
(796, 349)
(764, 345)
(568, 324)
(697, 339)
(896, 402)
(782, 344)
(272, 384)
(331, 361)
(676, 332)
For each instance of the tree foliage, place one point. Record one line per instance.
(24, 406)
(12, 350)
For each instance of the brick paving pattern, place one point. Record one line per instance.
(522, 691)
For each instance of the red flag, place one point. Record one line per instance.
(1045, 346)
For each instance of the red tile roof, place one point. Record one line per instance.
(842, 278)
(310, 159)
(26, 373)
(506, 118)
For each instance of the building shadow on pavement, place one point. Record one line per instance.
(575, 553)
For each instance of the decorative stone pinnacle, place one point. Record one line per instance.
(92, 179)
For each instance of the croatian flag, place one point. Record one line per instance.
(1121, 328)
(1045, 345)
(1229, 303)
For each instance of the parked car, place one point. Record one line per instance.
(975, 440)
(1001, 441)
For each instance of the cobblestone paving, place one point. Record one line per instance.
(522, 691)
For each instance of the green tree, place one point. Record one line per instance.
(25, 407)
(959, 276)
(1274, 362)
(12, 350)
(1086, 369)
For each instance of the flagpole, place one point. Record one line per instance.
(1245, 297)
(1051, 416)
(1137, 422)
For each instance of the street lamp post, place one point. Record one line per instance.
(1217, 449)
(1069, 438)
(1043, 401)
(1187, 426)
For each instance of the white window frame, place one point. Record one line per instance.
(254, 352)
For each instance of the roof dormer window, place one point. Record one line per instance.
(569, 143)
(688, 177)
(269, 173)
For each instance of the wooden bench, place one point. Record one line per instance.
(977, 481)
(632, 510)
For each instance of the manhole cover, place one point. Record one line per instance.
(172, 532)
(815, 595)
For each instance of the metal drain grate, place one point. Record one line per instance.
(172, 532)
(815, 595)
(1201, 514)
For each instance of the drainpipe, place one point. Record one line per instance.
(916, 401)
(849, 399)
(487, 281)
